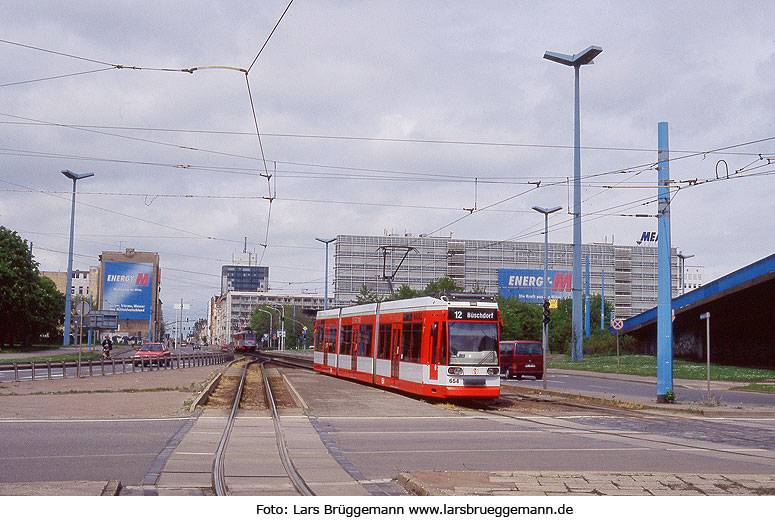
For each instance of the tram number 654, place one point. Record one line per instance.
(454, 380)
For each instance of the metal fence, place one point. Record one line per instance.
(15, 372)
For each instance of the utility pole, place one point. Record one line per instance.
(664, 271)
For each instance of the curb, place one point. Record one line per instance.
(204, 395)
(411, 485)
(111, 489)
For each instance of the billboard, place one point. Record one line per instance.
(128, 288)
(527, 284)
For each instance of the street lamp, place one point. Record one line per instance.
(281, 343)
(578, 60)
(68, 293)
(545, 332)
(326, 241)
(683, 258)
(269, 343)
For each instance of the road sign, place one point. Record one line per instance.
(553, 303)
(101, 319)
(617, 324)
(82, 308)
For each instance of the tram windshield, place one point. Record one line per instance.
(473, 343)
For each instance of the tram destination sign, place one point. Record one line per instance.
(466, 314)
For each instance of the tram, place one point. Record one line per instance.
(445, 347)
(245, 340)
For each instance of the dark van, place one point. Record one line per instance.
(522, 357)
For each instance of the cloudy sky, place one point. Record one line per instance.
(378, 116)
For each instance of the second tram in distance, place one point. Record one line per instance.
(245, 341)
(443, 347)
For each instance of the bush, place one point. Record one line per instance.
(604, 343)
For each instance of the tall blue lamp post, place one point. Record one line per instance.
(326, 241)
(578, 60)
(68, 291)
(546, 212)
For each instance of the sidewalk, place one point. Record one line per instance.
(572, 484)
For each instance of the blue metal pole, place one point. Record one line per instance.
(602, 301)
(69, 285)
(664, 292)
(578, 341)
(586, 301)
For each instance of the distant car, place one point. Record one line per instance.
(521, 357)
(152, 352)
(195, 346)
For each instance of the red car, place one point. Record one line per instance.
(152, 352)
(522, 357)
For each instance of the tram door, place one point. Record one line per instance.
(396, 353)
(434, 361)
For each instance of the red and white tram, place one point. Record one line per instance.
(443, 347)
(245, 340)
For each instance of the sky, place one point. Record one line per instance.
(434, 118)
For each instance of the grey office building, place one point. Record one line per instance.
(629, 272)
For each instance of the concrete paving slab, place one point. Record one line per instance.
(268, 466)
(185, 480)
(69, 488)
(189, 465)
(338, 490)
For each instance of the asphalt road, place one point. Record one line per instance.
(100, 449)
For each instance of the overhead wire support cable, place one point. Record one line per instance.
(267, 38)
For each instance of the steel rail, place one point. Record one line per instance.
(296, 479)
(219, 476)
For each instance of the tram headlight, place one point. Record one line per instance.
(493, 371)
(455, 371)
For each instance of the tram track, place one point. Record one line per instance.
(219, 476)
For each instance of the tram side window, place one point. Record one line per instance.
(319, 338)
(347, 339)
(411, 342)
(384, 341)
(331, 339)
(365, 340)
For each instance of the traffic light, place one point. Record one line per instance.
(546, 312)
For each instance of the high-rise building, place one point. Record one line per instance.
(244, 274)
(629, 272)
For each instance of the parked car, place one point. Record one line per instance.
(195, 346)
(152, 353)
(520, 357)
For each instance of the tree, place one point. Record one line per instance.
(444, 284)
(366, 295)
(29, 303)
(261, 320)
(294, 325)
(406, 292)
(521, 321)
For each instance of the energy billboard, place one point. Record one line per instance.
(128, 288)
(527, 284)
